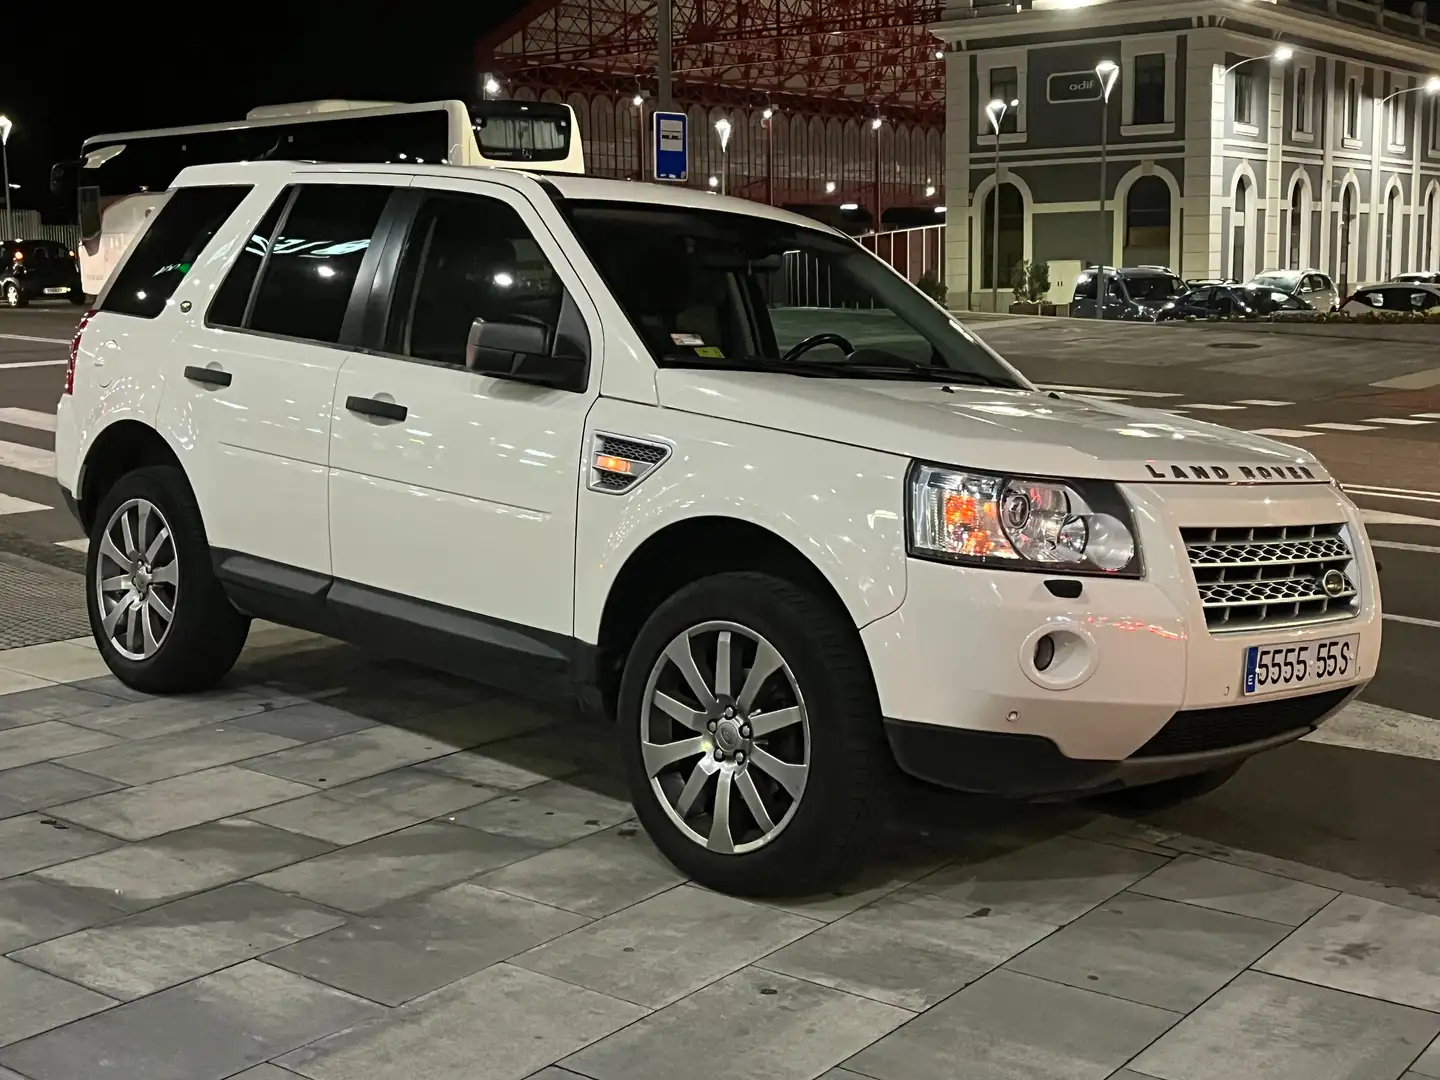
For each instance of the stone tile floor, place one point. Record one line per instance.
(339, 868)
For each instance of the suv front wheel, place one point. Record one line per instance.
(159, 616)
(751, 735)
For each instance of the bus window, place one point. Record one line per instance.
(522, 130)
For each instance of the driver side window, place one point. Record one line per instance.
(468, 257)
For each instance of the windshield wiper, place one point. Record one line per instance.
(841, 369)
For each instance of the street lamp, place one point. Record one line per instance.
(492, 86)
(5, 126)
(723, 128)
(996, 112)
(1107, 71)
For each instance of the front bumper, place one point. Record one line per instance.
(1151, 694)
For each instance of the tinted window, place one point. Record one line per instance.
(228, 307)
(521, 130)
(311, 268)
(1085, 286)
(1398, 299)
(468, 258)
(1157, 287)
(162, 256)
(1202, 297)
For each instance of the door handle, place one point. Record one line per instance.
(369, 406)
(212, 376)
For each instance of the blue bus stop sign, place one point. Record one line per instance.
(671, 141)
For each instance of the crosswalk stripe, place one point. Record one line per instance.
(1217, 408)
(1363, 726)
(10, 504)
(32, 363)
(1424, 549)
(29, 459)
(30, 418)
(43, 340)
(1399, 421)
(1426, 415)
(1262, 401)
(1284, 433)
(1345, 427)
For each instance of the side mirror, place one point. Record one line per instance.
(520, 352)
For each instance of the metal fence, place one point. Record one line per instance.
(805, 280)
(26, 225)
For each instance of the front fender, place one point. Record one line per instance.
(840, 506)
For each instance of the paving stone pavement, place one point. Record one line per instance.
(341, 868)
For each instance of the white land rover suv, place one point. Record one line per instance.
(709, 468)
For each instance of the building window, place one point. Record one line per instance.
(1397, 114)
(1239, 212)
(1299, 222)
(1352, 107)
(1427, 231)
(1150, 89)
(1245, 97)
(1435, 126)
(1393, 232)
(1302, 101)
(1005, 86)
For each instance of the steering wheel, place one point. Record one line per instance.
(814, 341)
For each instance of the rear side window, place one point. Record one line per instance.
(309, 271)
(164, 254)
(232, 299)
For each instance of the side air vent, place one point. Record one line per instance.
(618, 463)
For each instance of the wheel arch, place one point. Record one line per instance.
(123, 447)
(671, 558)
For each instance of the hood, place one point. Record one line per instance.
(1017, 431)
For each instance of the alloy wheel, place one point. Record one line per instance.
(137, 579)
(725, 737)
(12, 295)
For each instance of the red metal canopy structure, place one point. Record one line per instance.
(826, 69)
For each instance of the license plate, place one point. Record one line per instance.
(58, 290)
(1272, 669)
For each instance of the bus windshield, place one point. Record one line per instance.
(522, 130)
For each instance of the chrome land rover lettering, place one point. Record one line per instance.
(1250, 473)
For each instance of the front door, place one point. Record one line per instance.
(453, 494)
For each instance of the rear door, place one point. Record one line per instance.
(250, 383)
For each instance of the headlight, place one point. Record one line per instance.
(1021, 522)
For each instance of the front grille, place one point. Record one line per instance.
(1272, 576)
(1198, 731)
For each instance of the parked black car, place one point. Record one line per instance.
(1230, 302)
(1133, 293)
(37, 270)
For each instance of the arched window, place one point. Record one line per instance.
(1239, 213)
(1347, 236)
(1428, 231)
(1393, 234)
(1147, 223)
(1297, 224)
(1012, 235)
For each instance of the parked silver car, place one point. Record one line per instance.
(1311, 285)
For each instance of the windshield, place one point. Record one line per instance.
(708, 288)
(1266, 300)
(1155, 289)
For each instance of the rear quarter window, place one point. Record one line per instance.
(164, 253)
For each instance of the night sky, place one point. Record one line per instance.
(60, 88)
(58, 92)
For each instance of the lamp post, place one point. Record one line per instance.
(722, 127)
(5, 126)
(996, 112)
(767, 118)
(1107, 71)
(875, 125)
(1430, 86)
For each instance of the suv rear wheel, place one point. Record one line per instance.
(159, 616)
(751, 735)
(13, 295)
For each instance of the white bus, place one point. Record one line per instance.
(120, 178)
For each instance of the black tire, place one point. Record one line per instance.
(11, 295)
(206, 633)
(828, 834)
(1149, 798)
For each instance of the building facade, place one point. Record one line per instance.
(1239, 136)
